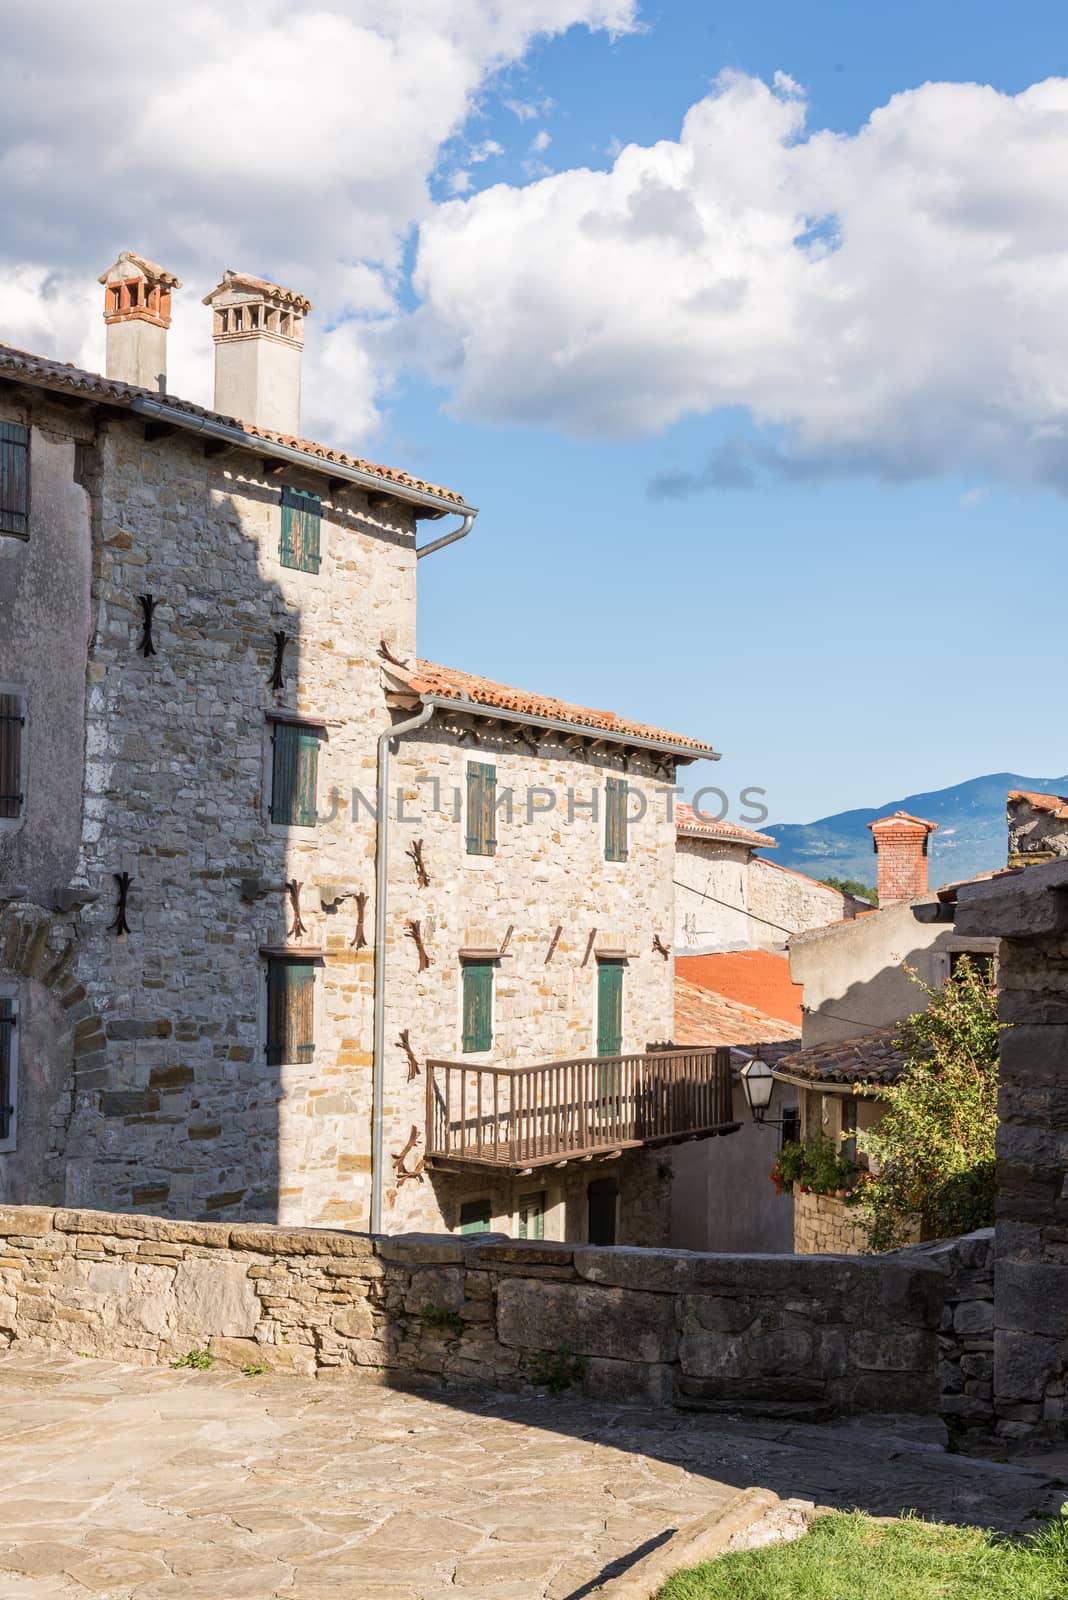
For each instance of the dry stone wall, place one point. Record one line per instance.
(651, 1326)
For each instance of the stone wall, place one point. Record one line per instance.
(729, 899)
(826, 1225)
(1029, 911)
(966, 1337)
(653, 1326)
(548, 872)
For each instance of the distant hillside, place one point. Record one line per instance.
(972, 836)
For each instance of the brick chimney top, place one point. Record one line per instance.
(137, 312)
(900, 843)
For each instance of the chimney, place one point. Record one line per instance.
(901, 845)
(259, 339)
(137, 312)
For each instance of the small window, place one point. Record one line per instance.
(8, 1070)
(295, 774)
(14, 480)
(532, 1215)
(12, 735)
(981, 961)
(481, 808)
(615, 819)
(475, 1216)
(290, 1011)
(478, 1006)
(791, 1125)
(602, 1197)
(301, 518)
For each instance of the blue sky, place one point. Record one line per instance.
(744, 325)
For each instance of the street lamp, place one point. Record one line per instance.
(758, 1084)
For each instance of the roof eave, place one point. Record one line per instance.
(495, 713)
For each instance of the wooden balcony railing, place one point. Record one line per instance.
(567, 1110)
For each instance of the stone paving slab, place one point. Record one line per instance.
(150, 1484)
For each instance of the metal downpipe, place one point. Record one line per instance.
(378, 1075)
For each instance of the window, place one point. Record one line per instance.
(532, 1215)
(301, 517)
(481, 808)
(478, 1006)
(982, 963)
(475, 1216)
(615, 819)
(791, 1125)
(290, 1010)
(601, 1198)
(14, 479)
(295, 773)
(849, 1128)
(12, 726)
(8, 1069)
(609, 1008)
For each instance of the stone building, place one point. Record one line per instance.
(201, 621)
(731, 899)
(1038, 827)
(857, 988)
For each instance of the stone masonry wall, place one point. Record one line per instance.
(825, 1225)
(549, 871)
(175, 1108)
(966, 1337)
(649, 1326)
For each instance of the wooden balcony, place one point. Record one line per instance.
(523, 1117)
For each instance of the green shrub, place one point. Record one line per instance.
(815, 1165)
(555, 1370)
(442, 1320)
(199, 1360)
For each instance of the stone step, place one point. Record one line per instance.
(746, 1410)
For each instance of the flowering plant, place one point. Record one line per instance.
(814, 1165)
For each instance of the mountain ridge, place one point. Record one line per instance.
(972, 834)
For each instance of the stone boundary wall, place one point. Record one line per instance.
(825, 1225)
(646, 1325)
(966, 1337)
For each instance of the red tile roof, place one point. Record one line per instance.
(245, 280)
(1055, 804)
(151, 269)
(703, 1017)
(866, 1058)
(690, 826)
(757, 978)
(23, 367)
(903, 819)
(426, 678)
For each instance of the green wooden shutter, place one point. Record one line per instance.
(290, 1011)
(7, 1032)
(478, 1006)
(307, 814)
(609, 1008)
(475, 1216)
(295, 775)
(301, 521)
(481, 808)
(615, 819)
(532, 1215)
(14, 479)
(11, 726)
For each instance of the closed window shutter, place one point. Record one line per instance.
(615, 819)
(290, 1011)
(295, 775)
(532, 1215)
(475, 1216)
(7, 1032)
(301, 520)
(307, 778)
(11, 726)
(14, 479)
(609, 1008)
(478, 1006)
(481, 808)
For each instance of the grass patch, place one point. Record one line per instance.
(847, 1556)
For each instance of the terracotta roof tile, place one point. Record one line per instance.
(1055, 804)
(151, 269)
(867, 1058)
(758, 978)
(426, 678)
(903, 819)
(245, 280)
(689, 826)
(24, 367)
(703, 1017)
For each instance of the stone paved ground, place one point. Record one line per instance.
(147, 1484)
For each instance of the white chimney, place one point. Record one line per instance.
(259, 340)
(137, 311)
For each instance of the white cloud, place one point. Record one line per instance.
(529, 110)
(459, 181)
(541, 141)
(973, 497)
(891, 301)
(483, 151)
(287, 138)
